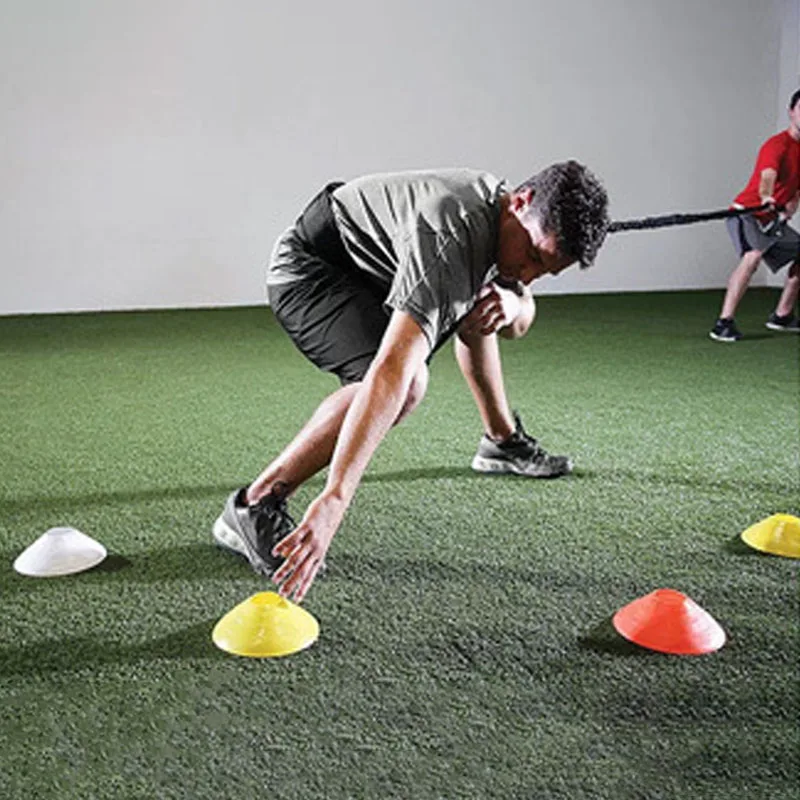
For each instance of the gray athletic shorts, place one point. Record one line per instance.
(778, 249)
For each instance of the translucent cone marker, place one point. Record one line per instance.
(59, 551)
(265, 625)
(778, 535)
(669, 622)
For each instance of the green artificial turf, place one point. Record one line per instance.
(466, 649)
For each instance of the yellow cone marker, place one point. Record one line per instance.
(265, 625)
(778, 535)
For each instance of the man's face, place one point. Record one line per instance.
(526, 252)
(794, 115)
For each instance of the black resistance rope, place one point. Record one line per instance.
(667, 220)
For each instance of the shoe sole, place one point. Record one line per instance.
(497, 467)
(717, 338)
(782, 328)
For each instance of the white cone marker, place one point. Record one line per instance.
(60, 551)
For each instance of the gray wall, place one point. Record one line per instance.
(153, 149)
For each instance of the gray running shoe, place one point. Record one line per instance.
(520, 454)
(252, 531)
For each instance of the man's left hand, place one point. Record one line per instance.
(496, 308)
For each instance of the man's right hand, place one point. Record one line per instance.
(305, 547)
(374, 409)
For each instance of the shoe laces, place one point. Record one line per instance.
(272, 516)
(520, 440)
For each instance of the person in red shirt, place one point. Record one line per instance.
(767, 235)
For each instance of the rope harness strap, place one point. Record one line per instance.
(668, 220)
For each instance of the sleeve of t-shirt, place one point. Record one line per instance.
(770, 155)
(432, 283)
(418, 287)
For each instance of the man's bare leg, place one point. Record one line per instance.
(312, 449)
(504, 448)
(309, 451)
(738, 282)
(791, 288)
(479, 360)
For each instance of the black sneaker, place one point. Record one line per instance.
(520, 454)
(252, 531)
(787, 323)
(725, 330)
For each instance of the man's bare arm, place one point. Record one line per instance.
(378, 403)
(766, 185)
(372, 413)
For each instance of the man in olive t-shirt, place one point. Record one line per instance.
(374, 276)
(424, 240)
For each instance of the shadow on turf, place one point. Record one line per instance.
(665, 479)
(755, 337)
(198, 561)
(421, 474)
(78, 652)
(736, 547)
(425, 570)
(95, 499)
(113, 563)
(603, 638)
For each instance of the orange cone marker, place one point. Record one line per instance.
(669, 622)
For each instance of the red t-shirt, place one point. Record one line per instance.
(781, 153)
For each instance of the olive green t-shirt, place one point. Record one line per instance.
(429, 237)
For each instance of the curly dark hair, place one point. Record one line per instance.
(571, 203)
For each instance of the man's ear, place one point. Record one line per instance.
(521, 200)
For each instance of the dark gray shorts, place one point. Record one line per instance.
(778, 249)
(334, 315)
